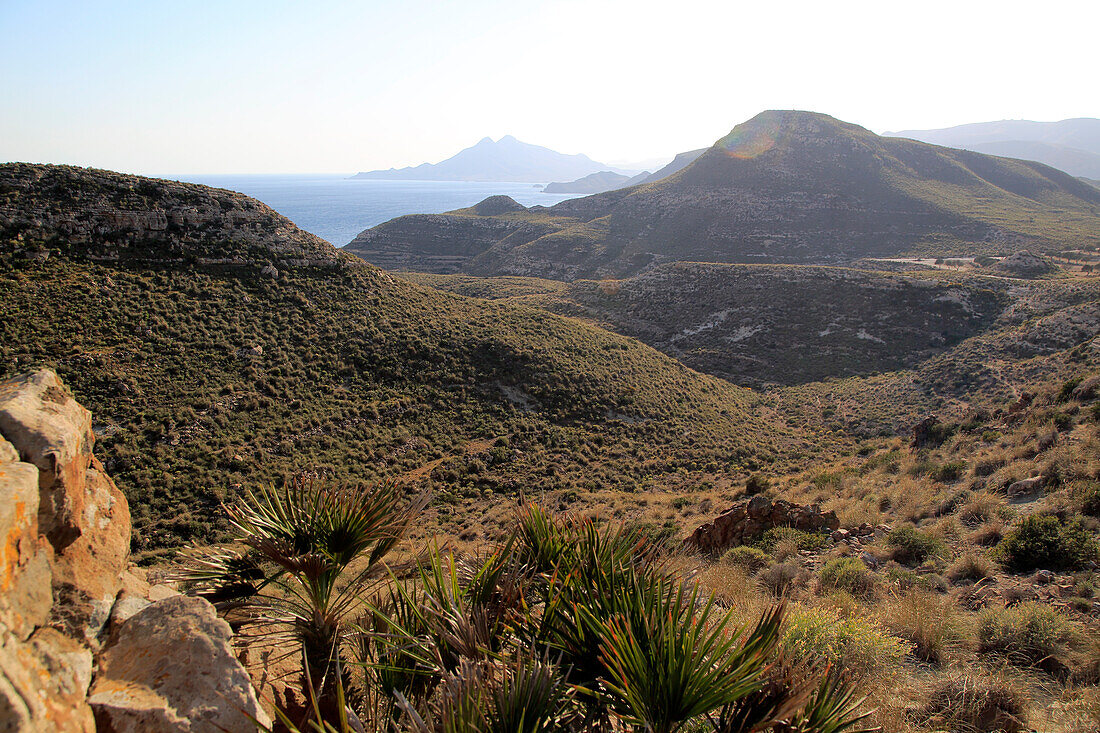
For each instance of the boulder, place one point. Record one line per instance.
(25, 574)
(80, 511)
(746, 521)
(171, 668)
(270, 271)
(43, 683)
(1024, 488)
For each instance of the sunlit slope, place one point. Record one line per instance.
(784, 187)
(206, 378)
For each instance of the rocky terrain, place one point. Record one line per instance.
(759, 324)
(784, 187)
(110, 217)
(86, 643)
(234, 378)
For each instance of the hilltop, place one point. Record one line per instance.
(113, 217)
(208, 377)
(597, 183)
(506, 159)
(784, 187)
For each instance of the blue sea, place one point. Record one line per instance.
(337, 208)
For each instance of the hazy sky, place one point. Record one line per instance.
(163, 87)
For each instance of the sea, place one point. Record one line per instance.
(337, 208)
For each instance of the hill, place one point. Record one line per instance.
(784, 187)
(1069, 145)
(207, 377)
(506, 159)
(597, 183)
(761, 324)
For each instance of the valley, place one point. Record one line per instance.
(923, 398)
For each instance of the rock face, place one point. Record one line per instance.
(65, 585)
(113, 216)
(747, 521)
(80, 511)
(755, 324)
(171, 669)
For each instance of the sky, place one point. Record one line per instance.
(158, 87)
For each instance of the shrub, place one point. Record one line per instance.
(804, 540)
(948, 471)
(971, 566)
(1043, 541)
(911, 546)
(757, 483)
(976, 702)
(930, 621)
(1031, 634)
(779, 577)
(749, 558)
(856, 644)
(847, 574)
(1089, 498)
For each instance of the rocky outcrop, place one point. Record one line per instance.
(171, 669)
(112, 216)
(1024, 264)
(67, 592)
(747, 521)
(80, 510)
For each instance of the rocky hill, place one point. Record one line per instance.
(112, 217)
(597, 183)
(207, 378)
(784, 187)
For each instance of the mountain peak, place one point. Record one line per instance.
(506, 159)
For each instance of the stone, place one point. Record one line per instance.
(81, 512)
(924, 431)
(746, 521)
(26, 575)
(869, 560)
(840, 535)
(1024, 488)
(43, 683)
(171, 668)
(1044, 577)
(270, 271)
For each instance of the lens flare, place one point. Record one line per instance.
(747, 144)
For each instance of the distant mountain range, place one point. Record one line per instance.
(1070, 145)
(608, 181)
(507, 159)
(787, 187)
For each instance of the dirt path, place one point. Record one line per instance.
(474, 446)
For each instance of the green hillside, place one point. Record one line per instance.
(784, 187)
(205, 378)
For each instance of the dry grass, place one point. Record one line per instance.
(937, 628)
(975, 702)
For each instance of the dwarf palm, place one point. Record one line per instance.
(304, 554)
